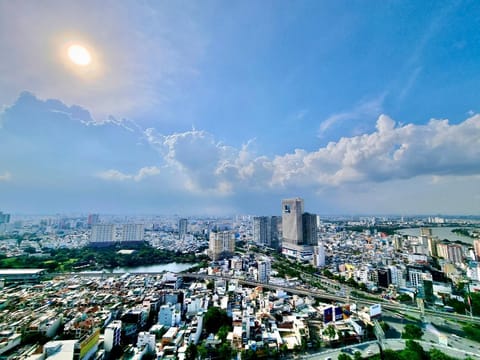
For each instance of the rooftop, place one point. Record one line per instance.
(20, 271)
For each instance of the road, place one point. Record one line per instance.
(327, 296)
(370, 348)
(401, 308)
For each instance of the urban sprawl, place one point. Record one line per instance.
(293, 285)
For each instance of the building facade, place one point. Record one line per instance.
(182, 228)
(292, 230)
(132, 233)
(221, 244)
(102, 234)
(112, 335)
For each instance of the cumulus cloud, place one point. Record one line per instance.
(392, 152)
(57, 147)
(116, 175)
(389, 153)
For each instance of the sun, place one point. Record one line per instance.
(79, 55)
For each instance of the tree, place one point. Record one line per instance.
(404, 298)
(384, 325)
(436, 354)
(458, 306)
(357, 355)
(413, 351)
(223, 333)
(412, 331)
(202, 351)
(472, 331)
(191, 352)
(330, 332)
(389, 354)
(225, 351)
(215, 318)
(343, 356)
(475, 301)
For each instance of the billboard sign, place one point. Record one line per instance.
(327, 315)
(375, 310)
(338, 313)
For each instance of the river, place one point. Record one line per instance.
(441, 232)
(170, 267)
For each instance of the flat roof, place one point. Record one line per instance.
(20, 271)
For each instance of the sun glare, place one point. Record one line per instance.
(79, 55)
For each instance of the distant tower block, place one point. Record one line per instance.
(182, 227)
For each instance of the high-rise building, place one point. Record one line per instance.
(221, 244)
(165, 315)
(93, 219)
(261, 230)
(476, 249)
(264, 268)
(455, 253)
(4, 218)
(102, 235)
(432, 246)
(384, 278)
(299, 230)
(319, 255)
(292, 210)
(309, 228)
(113, 335)
(276, 229)
(133, 233)
(182, 228)
(397, 242)
(265, 230)
(442, 250)
(425, 232)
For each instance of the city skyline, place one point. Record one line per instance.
(202, 108)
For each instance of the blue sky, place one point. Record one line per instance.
(213, 107)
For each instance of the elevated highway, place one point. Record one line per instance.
(327, 296)
(400, 308)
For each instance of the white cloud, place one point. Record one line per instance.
(6, 176)
(364, 109)
(115, 175)
(394, 161)
(392, 152)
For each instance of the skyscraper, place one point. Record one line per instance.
(182, 227)
(299, 230)
(221, 244)
(292, 210)
(102, 235)
(265, 230)
(309, 228)
(260, 230)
